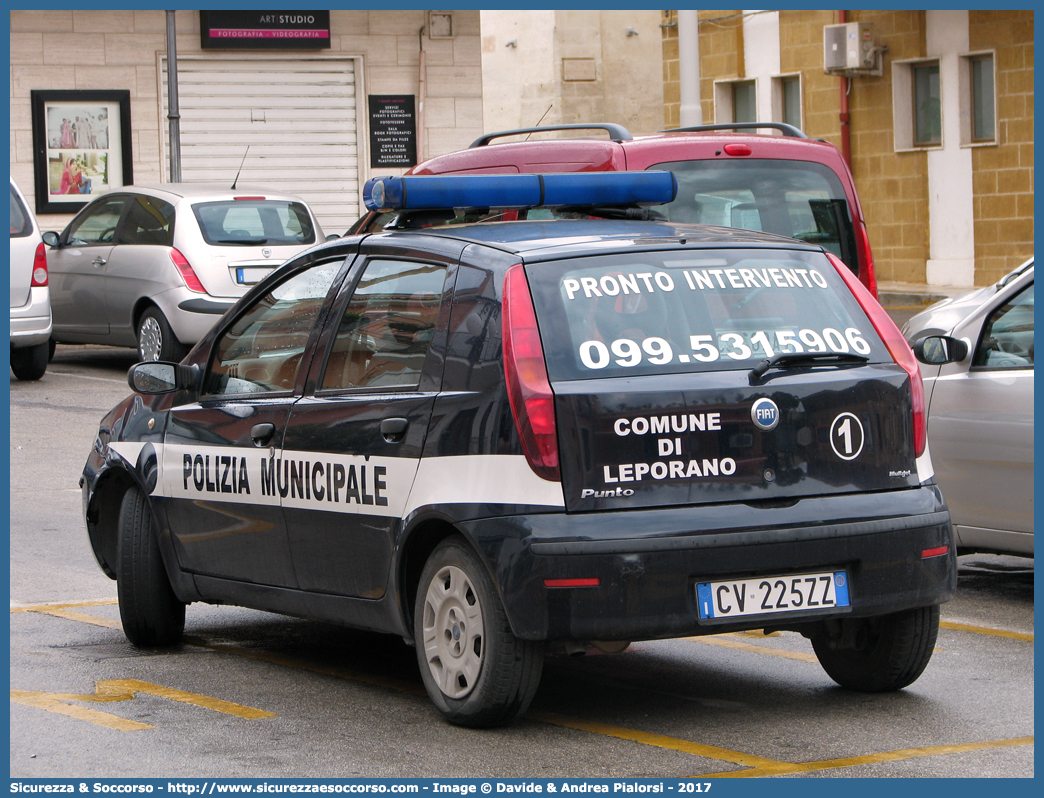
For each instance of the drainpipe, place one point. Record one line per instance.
(846, 130)
(173, 116)
(421, 87)
(691, 112)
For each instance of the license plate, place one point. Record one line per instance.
(763, 595)
(247, 276)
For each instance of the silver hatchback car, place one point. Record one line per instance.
(30, 302)
(154, 267)
(977, 355)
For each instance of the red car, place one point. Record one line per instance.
(728, 175)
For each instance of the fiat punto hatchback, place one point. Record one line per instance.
(498, 438)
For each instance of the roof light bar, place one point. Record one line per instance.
(428, 192)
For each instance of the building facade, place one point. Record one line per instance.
(940, 126)
(565, 67)
(306, 113)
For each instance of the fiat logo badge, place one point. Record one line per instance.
(267, 252)
(764, 414)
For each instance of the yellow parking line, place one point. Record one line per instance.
(110, 690)
(82, 617)
(986, 630)
(657, 740)
(741, 646)
(783, 768)
(47, 702)
(63, 606)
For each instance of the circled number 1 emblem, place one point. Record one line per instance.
(846, 436)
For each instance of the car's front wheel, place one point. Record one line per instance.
(892, 651)
(151, 614)
(156, 340)
(474, 669)
(29, 362)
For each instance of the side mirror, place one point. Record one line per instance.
(50, 238)
(159, 377)
(332, 237)
(937, 350)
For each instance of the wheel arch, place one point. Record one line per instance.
(140, 306)
(420, 541)
(103, 514)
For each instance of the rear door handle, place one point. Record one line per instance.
(261, 434)
(394, 429)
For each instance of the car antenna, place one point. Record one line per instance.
(240, 167)
(541, 119)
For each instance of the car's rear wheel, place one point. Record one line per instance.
(151, 614)
(156, 340)
(29, 362)
(475, 670)
(893, 651)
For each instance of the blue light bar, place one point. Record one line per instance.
(430, 192)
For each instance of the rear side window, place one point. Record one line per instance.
(387, 327)
(697, 311)
(20, 224)
(253, 223)
(148, 221)
(796, 199)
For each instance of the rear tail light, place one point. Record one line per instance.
(897, 348)
(185, 270)
(868, 278)
(529, 391)
(40, 266)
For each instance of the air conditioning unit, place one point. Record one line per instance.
(849, 48)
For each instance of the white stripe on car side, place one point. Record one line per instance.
(482, 479)
(384, 486)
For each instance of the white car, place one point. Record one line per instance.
(30, 295)
(155, 267)
(977, 352)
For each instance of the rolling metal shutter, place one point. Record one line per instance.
(299, 117)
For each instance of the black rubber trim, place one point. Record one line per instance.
(718, 540)
(205, 306)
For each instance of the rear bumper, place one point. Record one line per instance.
(31, 323)
(649, 562)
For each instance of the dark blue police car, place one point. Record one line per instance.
(501, 424)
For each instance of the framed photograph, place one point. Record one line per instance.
(81, 147)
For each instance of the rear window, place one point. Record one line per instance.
(20, 224)
(693, 311)
(796, 199)
(253, 223)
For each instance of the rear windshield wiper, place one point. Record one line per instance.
(797, 358)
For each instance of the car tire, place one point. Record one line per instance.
(151, 614)
(156, 340)
(51, 346)
(30, 362)
(475, 670)
(896, 651)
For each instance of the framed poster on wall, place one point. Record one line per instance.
(81, 146)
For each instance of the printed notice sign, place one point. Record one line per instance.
(393, 130)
